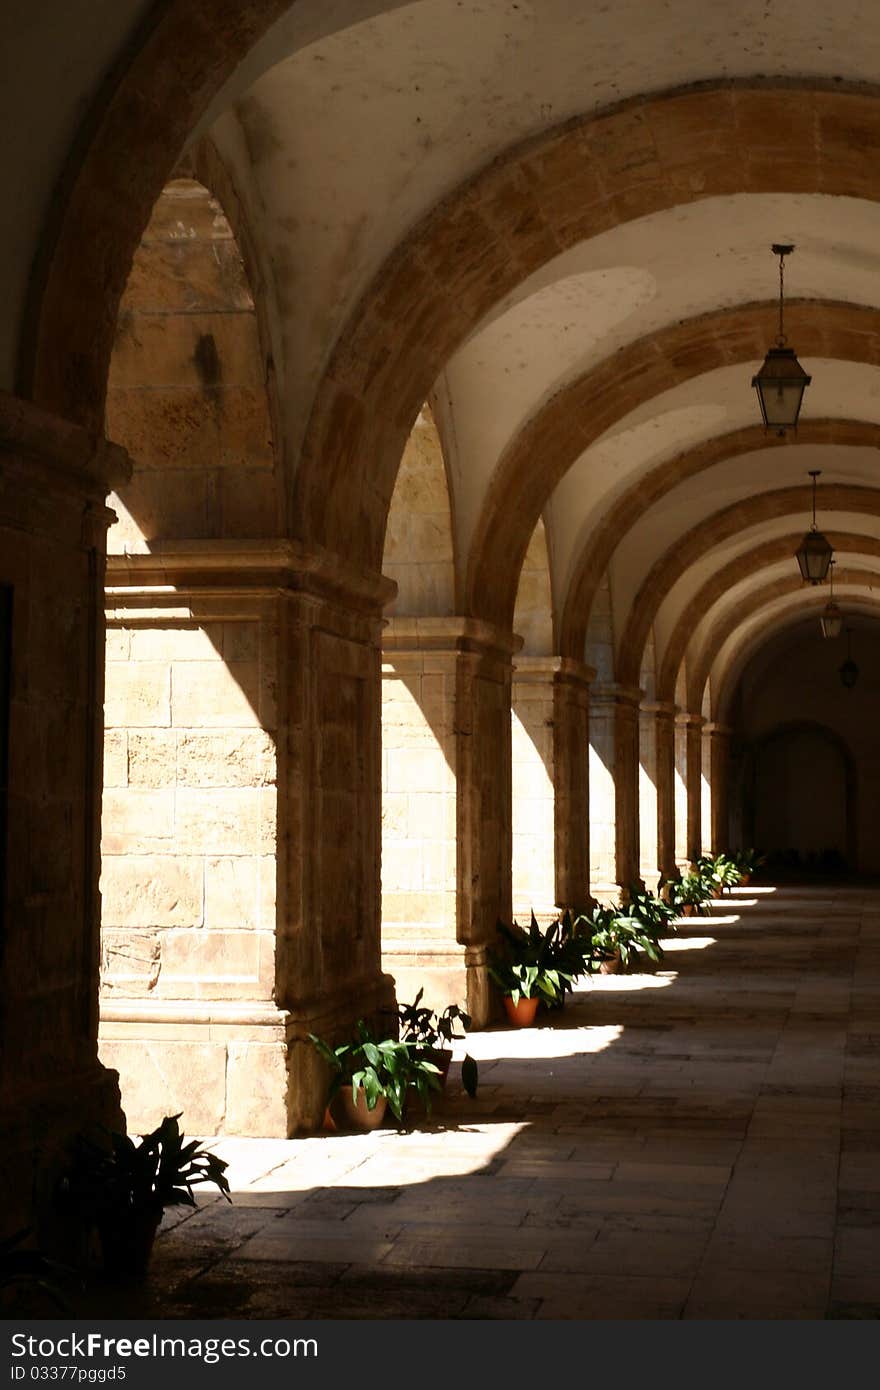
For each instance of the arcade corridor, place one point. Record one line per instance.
(699, 1142)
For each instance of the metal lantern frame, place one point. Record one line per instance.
(831, 617)
(781, 382)
(815, 553)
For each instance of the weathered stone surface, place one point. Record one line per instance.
(164, 1078)
(138, 696)
(130, 961)
(231, 758)
(257, 1088)
(152, 890)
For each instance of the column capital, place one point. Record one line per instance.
(663, 709)
(53, 452)
(557, 668)
(449, 634)
(265, 566)
(610, 693)
(719, 730)
(689, 720)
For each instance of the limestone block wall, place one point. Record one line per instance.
(419, 853)
(187, 392)
(682, 857)
(189, 864)
(533, 782)
(648, 805)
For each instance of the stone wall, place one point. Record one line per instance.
(189, 837)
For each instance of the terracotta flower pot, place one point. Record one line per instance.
(442, 1058)
(687, 909)
(127, 1241)
(357, 1113)
(612, 966)
(521, 1014)
(744, 880)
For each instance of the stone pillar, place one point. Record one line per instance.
(571, 766)
(483, 697)
(551, 821)
(664, 745)
(614, 808)
(53, 522)
(241, 829)
(694, 725)
(682, 857)
(419, 794)
(447, 838)
(650, 792)
(718, 736)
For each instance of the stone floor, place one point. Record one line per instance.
(698, 1142)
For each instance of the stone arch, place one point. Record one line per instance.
(698, 675)
(598, 548)
(580, 413)
(527, 206)
(187, 385)
(191, 871)
(419, 745)
(822, 734)
(724, 524)
(714, 589)
(419, 539)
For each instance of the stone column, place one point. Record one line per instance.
(614, 764)
(483, 700)
(694, 724)
(571, 766)
(419, 794)
(650, 752)
(664, 744)
(241, 828)
(718, 736)
(550, 791)
(682, 856)
(53, 522)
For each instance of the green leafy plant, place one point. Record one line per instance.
(122, 1187)
(656, 915)
(381, 1067)
(113, 1176)
(616, 932)
(434, 1033)
(692, 889)
(748, 861)
(718, 871)
(542, 962)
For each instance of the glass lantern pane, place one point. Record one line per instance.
(782, 401)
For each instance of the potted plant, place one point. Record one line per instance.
(619, 939)
(536, 966)
(688, 893)
(433, 1034)
(748, 862)
(373, 1073)
(122, 1187)
(656, 915)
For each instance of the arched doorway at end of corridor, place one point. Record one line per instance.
(800, 798)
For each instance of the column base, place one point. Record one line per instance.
(242, 1068)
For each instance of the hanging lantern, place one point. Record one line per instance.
(831, 618)
(848, 671)
(814, 552)
(781, 382)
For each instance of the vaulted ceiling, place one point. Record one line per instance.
(600, 381)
